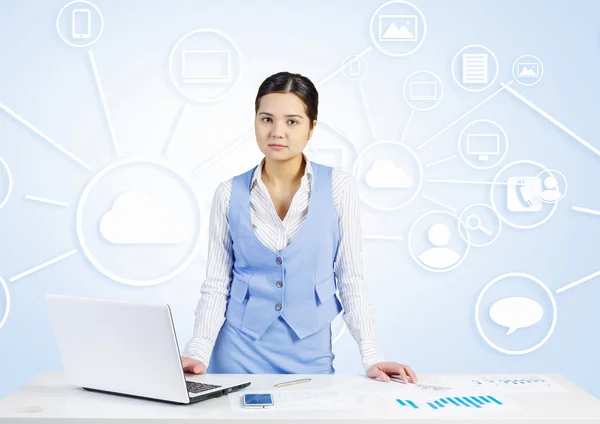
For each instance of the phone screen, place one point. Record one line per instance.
(81, 23)
(258, 399)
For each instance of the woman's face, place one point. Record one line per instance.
(281, 125)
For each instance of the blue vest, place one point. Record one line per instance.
(297, 284)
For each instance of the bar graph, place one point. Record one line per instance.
(475, 402)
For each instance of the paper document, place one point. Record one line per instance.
(516, 383)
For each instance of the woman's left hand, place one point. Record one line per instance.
(383, 370)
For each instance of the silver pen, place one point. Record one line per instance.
(291, 383)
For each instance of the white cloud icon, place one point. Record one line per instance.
(384, 174)
(136, 219)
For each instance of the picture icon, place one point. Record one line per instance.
(398, 28)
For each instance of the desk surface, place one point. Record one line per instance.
(48, 397)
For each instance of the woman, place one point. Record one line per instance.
(280, 234)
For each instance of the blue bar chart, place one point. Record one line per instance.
(473, 402)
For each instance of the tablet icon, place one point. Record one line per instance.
(423, 90)
(206, 66)
(81, 23)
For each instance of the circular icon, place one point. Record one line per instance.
(443, 256)
(9, 183)
(485, 141)
(478, 305)
(354, 67)
(398, 28)
(477, 67)
(423, 90)
(522, 196)
(389, 175)
(528, 70)
(80, 23)
(134, 224)
(204, 65)
(7, 310)
(551, 187)
(479, 228)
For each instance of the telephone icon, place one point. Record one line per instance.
(522, 194)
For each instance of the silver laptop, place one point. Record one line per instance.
(128, 348)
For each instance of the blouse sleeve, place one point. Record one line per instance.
(353, 288)
(210, 310)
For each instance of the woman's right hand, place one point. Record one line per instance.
(192, 366)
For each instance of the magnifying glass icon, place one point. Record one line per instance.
(474, 223)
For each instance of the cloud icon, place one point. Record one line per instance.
(384, 174)
(516, 312)
(136, 219)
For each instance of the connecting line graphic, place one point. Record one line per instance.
(41, 266)
(45, 137)
(440, 161)
(437, 202)
(412, 113)
(586, 210)
(46, 200)
(234, 145)
(576, 283)
(487, 99)
(551, 119)
(382, 237)
(103, 99)
(466, 182)
(178, 119)
(363, 97)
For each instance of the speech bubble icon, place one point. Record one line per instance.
(516, 312)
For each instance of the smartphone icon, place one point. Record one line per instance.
(82, 23)
(355, 68)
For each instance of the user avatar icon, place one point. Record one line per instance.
(554, 186)
(551, 191)
(439, 257)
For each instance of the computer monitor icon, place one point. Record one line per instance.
(483, 145)
(423, 91)
(206, 66)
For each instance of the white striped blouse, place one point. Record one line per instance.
(276, 234)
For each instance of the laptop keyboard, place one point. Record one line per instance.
(194, 387)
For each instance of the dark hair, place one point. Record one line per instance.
(286, 82)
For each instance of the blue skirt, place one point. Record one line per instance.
(278, 351)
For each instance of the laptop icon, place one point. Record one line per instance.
(128, 348)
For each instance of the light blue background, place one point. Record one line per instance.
(423, 319)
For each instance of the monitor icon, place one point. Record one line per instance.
(483, 145)
(206, 66)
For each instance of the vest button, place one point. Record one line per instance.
(279, 284)
(278, 306)
(278, 260)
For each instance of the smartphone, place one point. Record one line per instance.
(258, 400)
(81, 19)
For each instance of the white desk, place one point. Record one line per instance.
(50, 399)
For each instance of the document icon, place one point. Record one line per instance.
(475, 68)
